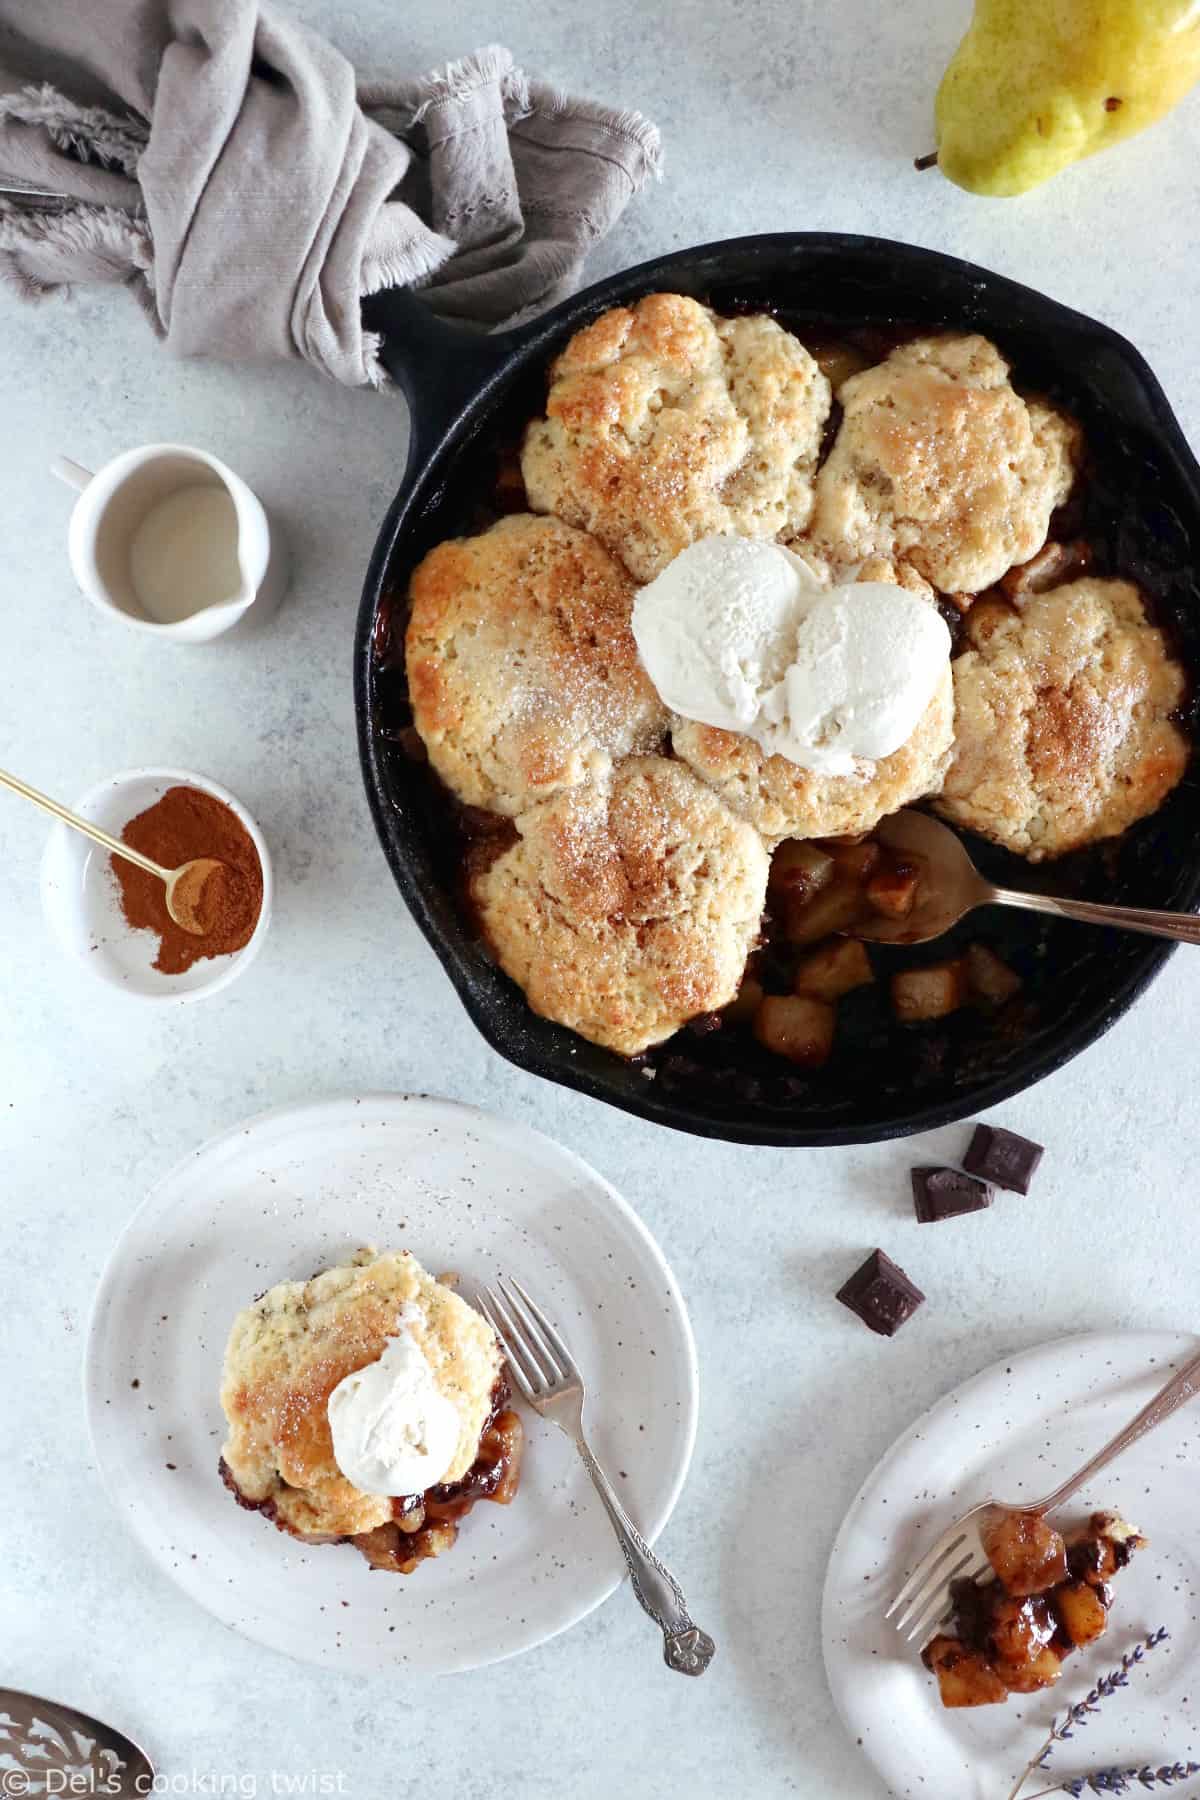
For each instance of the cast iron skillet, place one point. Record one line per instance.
(470, 396)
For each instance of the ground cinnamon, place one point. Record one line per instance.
(183, 825)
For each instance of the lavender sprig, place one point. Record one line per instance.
(1122, 1781)
(1078, 1715)
(1104, 1689)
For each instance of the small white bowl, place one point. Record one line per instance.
(82, 906)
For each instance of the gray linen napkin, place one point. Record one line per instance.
(227, 165)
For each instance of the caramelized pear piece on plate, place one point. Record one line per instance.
(1027, 1554)
(1032, 1675)
(1082, 1612)
(1020, 1628)
(964, 1677)
(1104, 1546)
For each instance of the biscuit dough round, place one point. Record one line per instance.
(522, 669)
(782, 800)
(939, 461)
(1063, 732)
(829, 573)
(626, 908)
(666, 423)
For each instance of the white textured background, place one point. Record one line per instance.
(776, 114)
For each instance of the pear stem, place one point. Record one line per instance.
(926, 162)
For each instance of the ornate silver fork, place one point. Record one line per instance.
(923, 1604)
(545, 1372)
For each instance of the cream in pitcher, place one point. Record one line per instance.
(173, 542)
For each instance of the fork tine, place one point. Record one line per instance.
(537, 1318)
(938, 1602)
(556, 1359)
(938, 1606)
(940, 1574)
(521, 1359)
(518, 1373)
(936, 1619)
(526, 1313)
(978, 1571)
(931, 1631)
(944, 1547)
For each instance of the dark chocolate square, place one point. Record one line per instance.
(881, 1295)
(1003, 1158)
(946, 1194)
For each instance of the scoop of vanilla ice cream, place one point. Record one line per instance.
(393, 1431)
(866, 661)
(741, 634)
(715, 629)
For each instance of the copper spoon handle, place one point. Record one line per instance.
(1184, 927)
(85, 825)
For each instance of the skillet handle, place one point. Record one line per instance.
(439, 367)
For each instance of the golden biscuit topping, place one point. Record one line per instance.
(522, 669)
(939, 461)
(665, 423)
(625, 909)
(1064, 733)
(783, 800)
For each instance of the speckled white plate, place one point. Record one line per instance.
(1007, 1435)
(296, 1190)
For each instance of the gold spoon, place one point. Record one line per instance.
(951, 886)
(184, 885)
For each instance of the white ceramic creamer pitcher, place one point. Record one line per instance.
(171, 541)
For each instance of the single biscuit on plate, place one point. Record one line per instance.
(1064, 732)
(290, 1349)
(940, 462)
(627, 907)
(666, 423)
(522, 669)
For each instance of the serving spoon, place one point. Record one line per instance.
(951, 886)
(46, 1748)
(185, 885)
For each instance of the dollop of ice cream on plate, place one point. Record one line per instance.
(740, 634)
(393, 1431)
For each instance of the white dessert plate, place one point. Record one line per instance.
(296, 1190)
(1015, 1431)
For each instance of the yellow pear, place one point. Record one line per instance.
(1038, 84)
